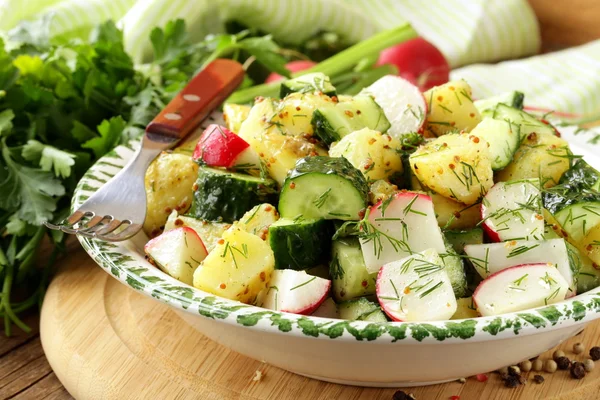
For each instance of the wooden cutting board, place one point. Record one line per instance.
(106, 341)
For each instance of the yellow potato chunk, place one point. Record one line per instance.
(450, 108)
(238, 268)
(451, 214)
(590, 245)
(457, 166)
(381, 190)
(278, 141)
(168, 183)
(465, 309)
(541, 155)
(234, 115)
(257, 220)
(371, 152)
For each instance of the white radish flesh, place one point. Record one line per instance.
(295, 292)
(416, 288)
(520, 288)
(512, 211)
(402, 102)
(178, 252)
(399, 227)
(493, 257)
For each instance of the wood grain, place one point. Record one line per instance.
(106, 341)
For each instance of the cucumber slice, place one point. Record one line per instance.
(334, 120)
(315, 82)
(455, 269)
(350, 278)
(578, 219)
(361, 310)
(587, 273)
(527, 122)
(459, 239)
(513, 99)
(502, 136)
(299, 244)
(323, 187)
(224, 196)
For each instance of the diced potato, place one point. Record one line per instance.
(450, 108)
(168, 183)
(234, 115)
(371, 152)
(451, 214)
(465, 309)
(381, 190)
(210, 232)
(257, 220)
(457, 166)
(238, 268)
(274, 139)
(541, 155)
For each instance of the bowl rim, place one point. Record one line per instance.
(123, 262)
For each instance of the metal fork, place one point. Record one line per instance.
(117, 210)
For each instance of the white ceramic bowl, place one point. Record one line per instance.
(351, 352)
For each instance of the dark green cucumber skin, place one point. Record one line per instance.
(577, 185)
(301, 246)
(458, 239)
(323, 128)
(224, 198)
(518, 100)
(325, 165)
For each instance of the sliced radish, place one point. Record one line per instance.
(512, 211)
(295, 292)
(396, 228)
(219, 147)
(416, 288)
(402, 102)
(328, 309)
(178, 252)
(519, 288)
(493, 257)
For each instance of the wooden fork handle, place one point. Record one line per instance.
(204, 93)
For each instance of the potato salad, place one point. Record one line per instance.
(393, 204)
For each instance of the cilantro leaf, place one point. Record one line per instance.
(170, 42)
(110, 135)
(6, 118)
(49, 158)
(266, 52)
(30, 191)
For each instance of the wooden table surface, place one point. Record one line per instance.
(24, 370)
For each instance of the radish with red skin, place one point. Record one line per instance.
(490, 258)
(178, 252)
(419, 62)
(292, 66)
(402, 102)
(397, 227)
(219, 147)
(519, 288)
(416, 288)
(512, 210)
(295, 292)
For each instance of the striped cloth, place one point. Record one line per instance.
(466, 31)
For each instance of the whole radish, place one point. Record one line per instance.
(419, 62)
(293, 66)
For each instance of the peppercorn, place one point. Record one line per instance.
(514, 370)
(577, 370)
(511, 381)
(563, 363)
(503, 371)
(550, 366)
(595, 353)
(578, 348)
(538, 379)
(462, 380)
(538, 365)
(558, 354)
(400, 395)
(588, 365)
(525, 366)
